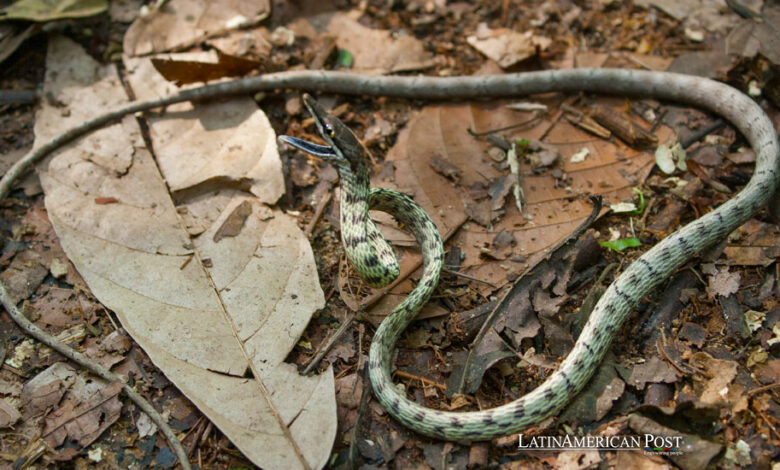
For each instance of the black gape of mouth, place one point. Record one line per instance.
(322, 151)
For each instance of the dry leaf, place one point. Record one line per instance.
(505, 46)
(24, 275)
(45, 390)
(697, 452)
(612, 392)
(653, 371)
(373, 51)
(637, 459)
(52, 10)
(720, 372)
(552, 211)
(723, 283)
(89, 409)
(226, 144)
(179, 23)
(205, 312)
(755, 243)
(9, 415)
(182, 72)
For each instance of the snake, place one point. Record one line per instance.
(372, 257)
(373, 260)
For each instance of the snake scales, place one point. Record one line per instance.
(638, 279)
(372, 258)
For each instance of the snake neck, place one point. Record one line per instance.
(370, 254)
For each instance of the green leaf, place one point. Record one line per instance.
(622, 244)
(41, 11)
(345, 59)
(522, 145)
(641, 201)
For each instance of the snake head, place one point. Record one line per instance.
(343, 149)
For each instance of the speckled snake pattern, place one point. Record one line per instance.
(373, 259)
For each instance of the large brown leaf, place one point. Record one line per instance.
(216, 287)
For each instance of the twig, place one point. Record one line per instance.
(325, 347)
(501, 129)
(768, 423)
(701, 133)
(517, 186)
(317, 214)
(409, 376)
(361, 412)
(470, 278)
(758, 390)
(28, 327)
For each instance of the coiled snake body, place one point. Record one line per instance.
(372, 258)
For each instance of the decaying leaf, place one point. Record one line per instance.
(9, 415)
(505, 46)
(45, 390)
(577, 459)
(88, 410)
(717, 386)
(696, 451)
(364, 49)
(226, 145)
(24, 275)
(182, 72)
(596, 400)
(218, 318)
(184, 22)
(654, 370)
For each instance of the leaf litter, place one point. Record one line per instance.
(214, 189)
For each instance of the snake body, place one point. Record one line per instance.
(369, 255)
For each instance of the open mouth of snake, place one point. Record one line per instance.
(323, 151)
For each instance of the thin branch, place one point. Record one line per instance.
(28, 327)
(325, 347)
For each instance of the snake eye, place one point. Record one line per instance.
(329, 129)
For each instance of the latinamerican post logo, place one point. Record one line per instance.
(648, 443)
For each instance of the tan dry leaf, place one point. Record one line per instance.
(717, 386)
(45, 390)
(89, 408)
(179, 23)
(505, 46)
(9, 415)
(754, 244)
(206, 313)
(224, 144)
(373, 51)
(653, 371)
(612, 392)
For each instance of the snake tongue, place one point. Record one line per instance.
(322, 151)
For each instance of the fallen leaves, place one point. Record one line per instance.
(180, 23)
(505, 46)
(401, 53)
(183, 72)
(9, 415)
